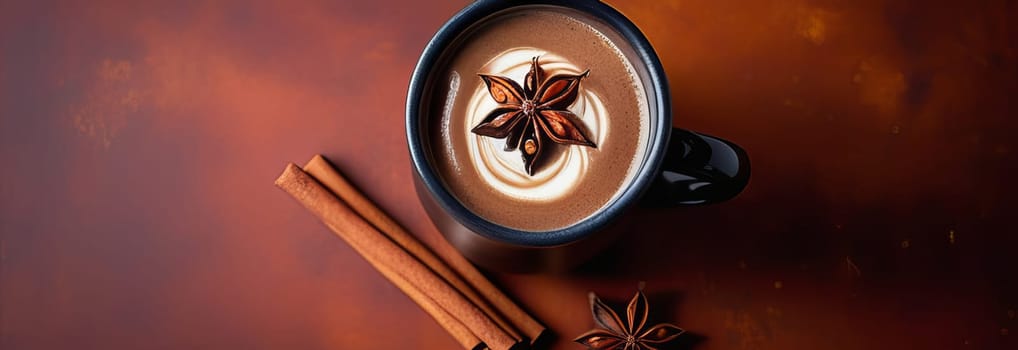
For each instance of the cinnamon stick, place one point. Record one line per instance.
(453, 326)
(369, 242)
(455, 269)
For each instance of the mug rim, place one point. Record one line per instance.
(598, 221)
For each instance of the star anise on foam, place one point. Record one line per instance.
(530, 114)
(626, 336)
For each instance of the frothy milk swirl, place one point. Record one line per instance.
(504, 171)
(570, 182)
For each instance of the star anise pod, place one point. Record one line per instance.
(537, 111)
(630, 335)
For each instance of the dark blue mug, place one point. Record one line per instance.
(680, 167)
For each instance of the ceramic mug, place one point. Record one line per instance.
(680, 167)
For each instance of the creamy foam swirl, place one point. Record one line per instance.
(504, 171)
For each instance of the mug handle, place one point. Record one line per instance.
(698, 169)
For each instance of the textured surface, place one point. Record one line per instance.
(139, 144)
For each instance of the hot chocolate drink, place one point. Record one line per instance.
(536, 119)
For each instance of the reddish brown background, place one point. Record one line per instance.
(140, 141)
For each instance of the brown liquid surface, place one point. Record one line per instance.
(607, 168)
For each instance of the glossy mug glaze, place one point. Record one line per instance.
(666, 167)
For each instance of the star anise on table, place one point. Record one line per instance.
(626, 336)
(528, 115)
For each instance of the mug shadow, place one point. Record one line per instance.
(656, 240)
(781, 226)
